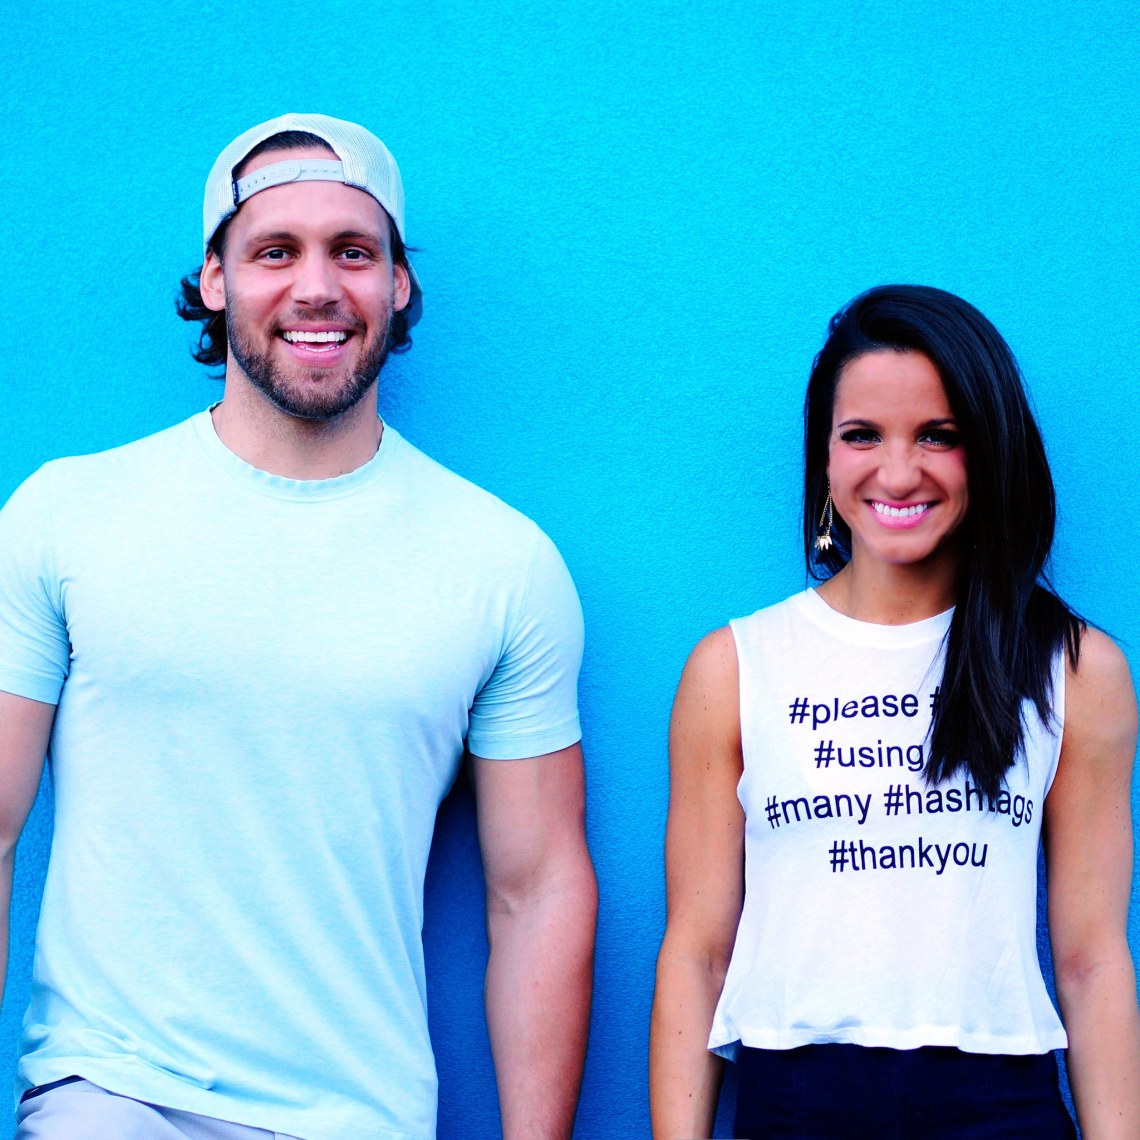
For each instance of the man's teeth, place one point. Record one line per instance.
(296, 337)
(900, 512)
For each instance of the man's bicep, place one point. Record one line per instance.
(25, 728)
(35, 649)
(531, 815)
(529, 705)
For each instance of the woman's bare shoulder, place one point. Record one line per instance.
(1100, 684)
(708, 700)
(1100, 712)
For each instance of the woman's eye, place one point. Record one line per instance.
(859, 436)
(940, 437)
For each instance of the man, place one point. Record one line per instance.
(271, 631)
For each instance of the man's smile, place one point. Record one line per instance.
(297, 337)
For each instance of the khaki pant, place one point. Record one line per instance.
(80, 1110)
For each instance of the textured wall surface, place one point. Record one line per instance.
(633, 221)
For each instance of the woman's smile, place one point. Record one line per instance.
(896, 465)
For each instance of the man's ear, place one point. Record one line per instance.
(402, 288)
(212, 283)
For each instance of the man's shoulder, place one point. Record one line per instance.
(139, 460)
(465, 503)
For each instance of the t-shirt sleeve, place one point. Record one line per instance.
(529, 706)
(34, 646)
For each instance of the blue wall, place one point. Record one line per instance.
(634, 221)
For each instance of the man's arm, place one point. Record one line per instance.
(542, 901)
(1088, 845)
(25, 727)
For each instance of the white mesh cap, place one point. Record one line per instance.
(362, 160)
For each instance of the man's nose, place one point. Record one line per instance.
(315, 283)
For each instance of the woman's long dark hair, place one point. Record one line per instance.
(1008, 624)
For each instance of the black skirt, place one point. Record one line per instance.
(849, 1092)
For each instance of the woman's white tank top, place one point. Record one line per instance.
(878, 911)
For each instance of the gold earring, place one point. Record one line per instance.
(823, 541)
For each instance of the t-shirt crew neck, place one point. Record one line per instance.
(281, 486)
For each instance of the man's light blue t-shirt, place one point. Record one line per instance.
(265, 688)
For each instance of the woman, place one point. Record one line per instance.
(857, 928)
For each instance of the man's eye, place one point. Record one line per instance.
(275, 255)
(354, 254)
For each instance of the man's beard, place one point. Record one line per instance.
(325, 401)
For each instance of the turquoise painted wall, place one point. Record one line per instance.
(634, 221)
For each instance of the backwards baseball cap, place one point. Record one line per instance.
(362, 160)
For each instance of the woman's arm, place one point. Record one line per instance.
(704, 872)
(1088, 845)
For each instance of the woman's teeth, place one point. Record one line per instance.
(900, 512)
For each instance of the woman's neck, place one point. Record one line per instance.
(889, 594)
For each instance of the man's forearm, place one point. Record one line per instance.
(7, 861)
(539, 982)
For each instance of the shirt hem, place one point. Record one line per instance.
(502, 747)
(1020, 1045)
(33, 686)
(136, 1082)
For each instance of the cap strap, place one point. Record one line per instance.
(304, 170)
